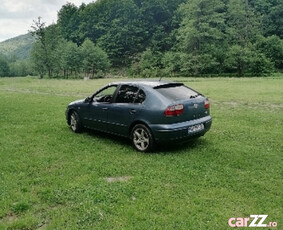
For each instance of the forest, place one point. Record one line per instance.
(158, 38)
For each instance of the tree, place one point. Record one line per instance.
(38, 59)
(272, 48)
(70, 58)
(243, 26)
(150, 63)
(259, 64)
(189, 37)
(4, 67)
(44, 53)
(39, 32)
(94, 58)
(237, 59)
(243, 32)
(20, 68)
(69, 22)
(200, 33)
(65, 15)
(157, 16)
(125, 28)
(273, 21)
(247, 60)
(171, 62)
(54, 40)
(124, 34)
(270, 13)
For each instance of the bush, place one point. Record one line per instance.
(150, 63)
(171, 62)
(259, 64)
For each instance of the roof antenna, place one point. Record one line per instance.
(160, 78)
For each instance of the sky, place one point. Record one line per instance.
(16, 16)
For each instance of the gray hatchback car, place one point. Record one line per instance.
(147, 112)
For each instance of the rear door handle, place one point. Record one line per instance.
(105, 109)
(133, 111)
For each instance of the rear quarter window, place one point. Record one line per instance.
(140, 97)
(176, 93)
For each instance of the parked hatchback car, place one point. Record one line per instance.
(147, 112)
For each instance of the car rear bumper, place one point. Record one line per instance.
(179, 131)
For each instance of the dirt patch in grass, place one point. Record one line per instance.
(9, 218)
(43, 224)
(118, 179)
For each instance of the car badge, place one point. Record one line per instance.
(195, 106)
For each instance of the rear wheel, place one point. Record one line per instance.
(75, 123)
(142, 138)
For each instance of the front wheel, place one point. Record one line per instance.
(75, 123)
(142, 138)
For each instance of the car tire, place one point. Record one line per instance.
(142, 138)
(75, 123)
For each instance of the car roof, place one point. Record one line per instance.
(149, 83)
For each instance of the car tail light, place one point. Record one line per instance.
(206, 104)
(174, 110)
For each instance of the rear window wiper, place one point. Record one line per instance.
(194, 96)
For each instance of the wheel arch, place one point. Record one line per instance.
(151, 140)
(139, 122)
(69, 115)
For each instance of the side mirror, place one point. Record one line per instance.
(88, 100)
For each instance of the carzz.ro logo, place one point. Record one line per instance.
(252, 221)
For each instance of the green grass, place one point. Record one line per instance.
(51, 178)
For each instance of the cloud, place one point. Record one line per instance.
(11, 28)
(16, 17)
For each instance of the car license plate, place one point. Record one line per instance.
(195, 128)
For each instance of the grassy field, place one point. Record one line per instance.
(51, 178)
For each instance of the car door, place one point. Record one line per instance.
(124, 109)
(98, 108)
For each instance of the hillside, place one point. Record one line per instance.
(19, 46)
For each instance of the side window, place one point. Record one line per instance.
(105, 95)
(141, 97)
(127, 94)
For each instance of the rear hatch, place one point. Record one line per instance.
(185, 103)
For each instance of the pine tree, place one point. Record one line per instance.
(200, 33)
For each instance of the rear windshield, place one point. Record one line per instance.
(176, 93)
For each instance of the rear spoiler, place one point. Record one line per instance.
(168, 85)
